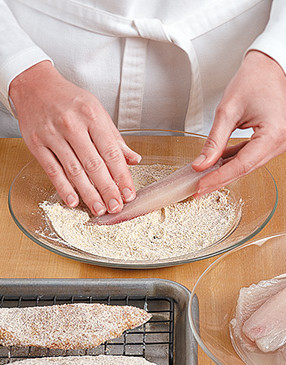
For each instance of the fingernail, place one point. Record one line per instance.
(127, 194)
(71, 201)
(99, 208)
(199, 160)
(113, 205)
(200, 193)
(138, 158)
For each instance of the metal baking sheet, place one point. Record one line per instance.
(166, 340)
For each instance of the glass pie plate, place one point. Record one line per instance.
(32, 187)
(216, 292)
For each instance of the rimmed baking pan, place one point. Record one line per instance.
(165, 340)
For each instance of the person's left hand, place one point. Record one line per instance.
(255, 98)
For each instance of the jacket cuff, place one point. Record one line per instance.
(272, 47)
(15, 65)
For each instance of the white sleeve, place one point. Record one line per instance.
(17, 52)
(273, 40)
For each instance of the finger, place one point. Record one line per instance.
(56, 174)
(114, 159)
(233, 150)
(76, 174)
(224, 124)
(97, 171)
(253, 155)
(131, 157)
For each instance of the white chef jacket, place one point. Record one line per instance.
(152, 63)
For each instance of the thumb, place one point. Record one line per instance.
(216, 142)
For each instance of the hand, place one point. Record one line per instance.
(255, 98)
(74, 139)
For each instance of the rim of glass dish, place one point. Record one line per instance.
(209, 268)
(179, 260)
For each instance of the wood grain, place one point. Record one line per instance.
(22, 258)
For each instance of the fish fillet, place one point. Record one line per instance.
(67, 326)
(267, 325)
(250, 300)
(252, 297)
(174, 188)
(87, 360)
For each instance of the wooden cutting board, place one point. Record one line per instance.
(22, 258)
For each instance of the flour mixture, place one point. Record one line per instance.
(176, 230)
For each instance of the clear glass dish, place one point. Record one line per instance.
(31, 187)
(216, 292)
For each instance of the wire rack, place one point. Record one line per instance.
(153, 340)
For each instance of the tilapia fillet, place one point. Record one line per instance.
(260, 322)
(175, 187)
(67, 326)
(267, 325)
(87, 360)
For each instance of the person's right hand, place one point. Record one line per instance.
(74, 139)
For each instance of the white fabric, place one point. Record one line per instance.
(273, 40)
(152, 63)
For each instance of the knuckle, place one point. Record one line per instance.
(67, 122)
(52, 171)
(211, 143)
(49, 129)
(121, 179)
(112, 154)
(62, 189)
(35, 139)
(226, 111)
(89, 195)
(277, 135)
(222, 112)
(108, 190)
(88, 110)
(246, 167)
(74, 169)
(93, 165)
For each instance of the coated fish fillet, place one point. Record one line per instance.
(67, 326)
(267, 325)
(87, 360)
(174, 188)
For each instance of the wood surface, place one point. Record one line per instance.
(22, 258)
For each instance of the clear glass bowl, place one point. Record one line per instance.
(216, 292)
(31, 187)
